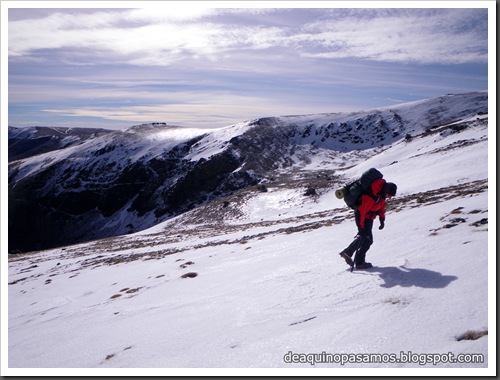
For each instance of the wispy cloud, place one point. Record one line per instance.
(203, 66)
(417, 37)
(161, 36)
(219, 110)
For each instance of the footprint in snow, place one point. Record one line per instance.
(186, 264)
(189, 275)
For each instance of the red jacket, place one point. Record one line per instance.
(369, 207)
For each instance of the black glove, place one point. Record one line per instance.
(382, 223)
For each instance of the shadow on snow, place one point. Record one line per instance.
(407, 277)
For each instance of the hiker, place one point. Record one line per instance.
(366, 212)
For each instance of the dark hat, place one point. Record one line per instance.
(390, 188)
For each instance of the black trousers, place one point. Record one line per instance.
(363, 240)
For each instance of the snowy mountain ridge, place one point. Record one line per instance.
(252, 279)
(125, 181)
(31, 141)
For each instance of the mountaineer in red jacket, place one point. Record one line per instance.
(372, 205)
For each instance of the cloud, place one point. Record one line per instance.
(219, 111)
(190, 66)
(153, 44)
(410, 37)
(164, 36)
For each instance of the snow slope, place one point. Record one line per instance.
(249, 284)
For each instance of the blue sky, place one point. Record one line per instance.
(196, 65)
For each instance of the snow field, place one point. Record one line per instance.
(252, 303)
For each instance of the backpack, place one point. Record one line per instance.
(353, 191)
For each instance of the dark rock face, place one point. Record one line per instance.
(101, 193)
(206, 179)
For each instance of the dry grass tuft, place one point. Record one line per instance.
(472, 335)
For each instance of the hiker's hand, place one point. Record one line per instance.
(382, 224)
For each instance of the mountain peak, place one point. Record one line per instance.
(105, 183)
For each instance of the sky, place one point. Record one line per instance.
(201, 64)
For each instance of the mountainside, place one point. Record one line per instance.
(125, 181)
(252, 279)
(31, 141)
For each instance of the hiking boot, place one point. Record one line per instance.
(346, 257)
(364, 266)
